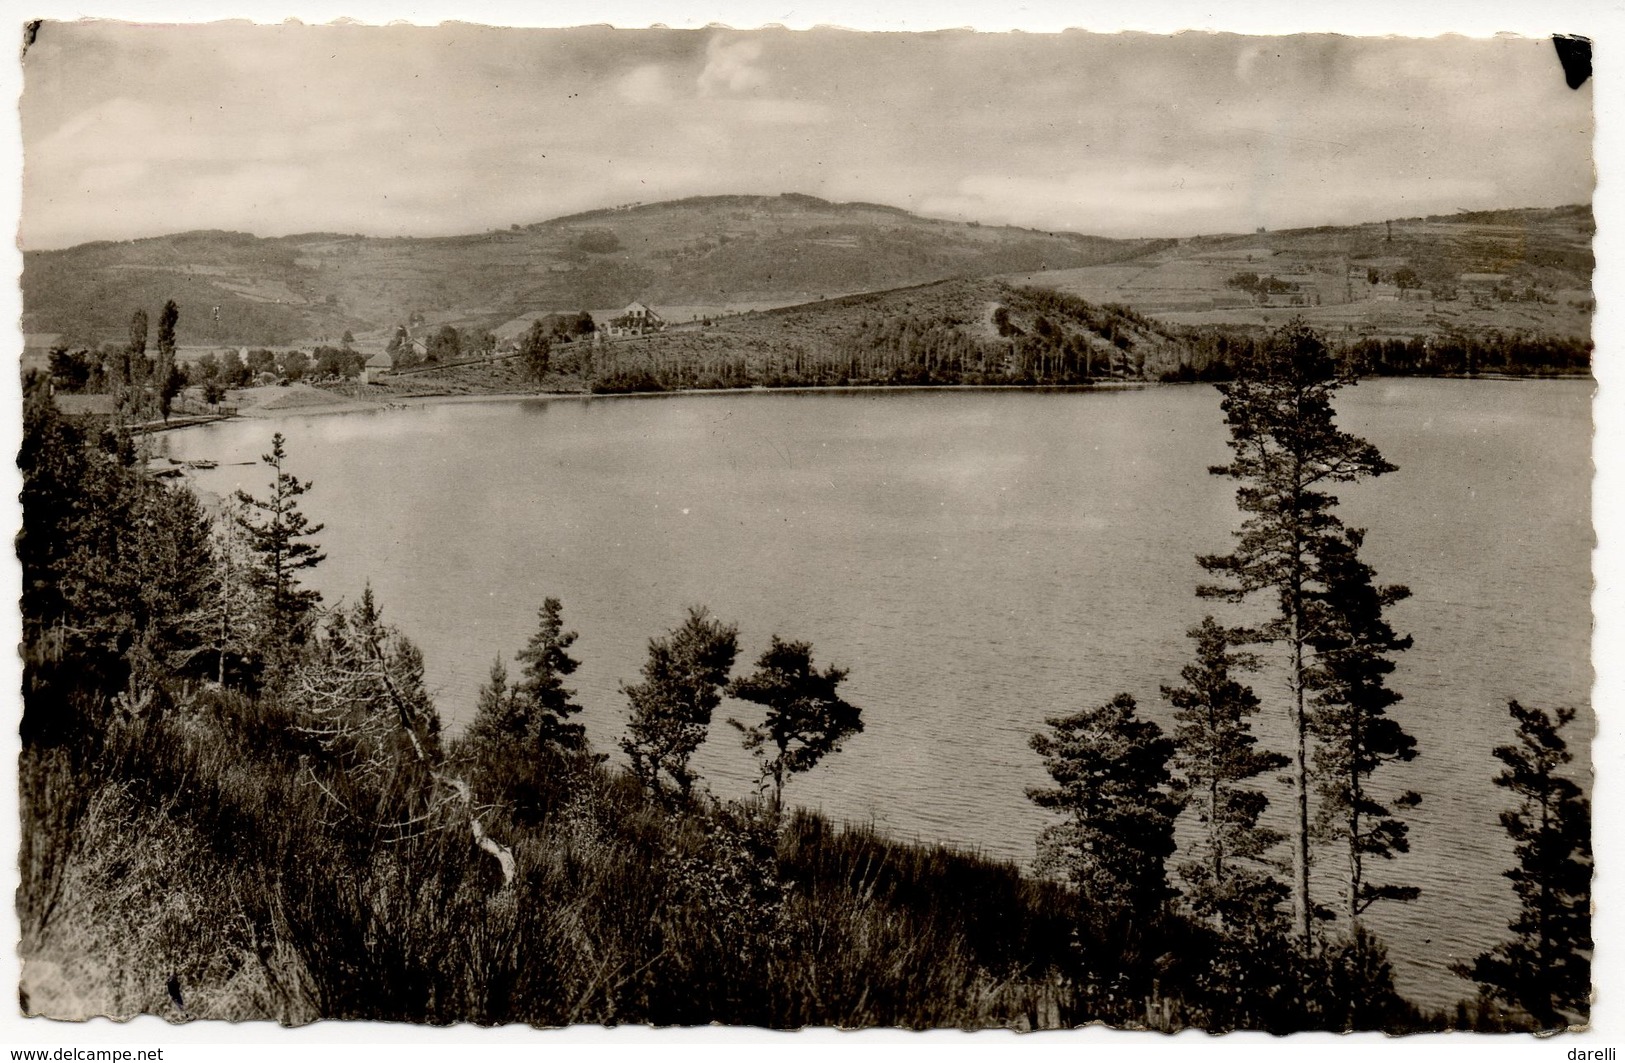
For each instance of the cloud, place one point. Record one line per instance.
(646, 85)
(730, 67)
(1094, 199)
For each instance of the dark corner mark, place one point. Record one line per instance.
(1575, 54)
(30, 31)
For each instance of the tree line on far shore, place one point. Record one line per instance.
(1215, 353)
(1030, 337)
(146, 387)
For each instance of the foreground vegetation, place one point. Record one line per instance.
(238, 801)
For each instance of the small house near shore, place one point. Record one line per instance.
(94, 407)
(377, 367)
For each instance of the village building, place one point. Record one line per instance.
(636, 320)
(1283, 299)
(91, 407)
(376, 368)
(1482, 288)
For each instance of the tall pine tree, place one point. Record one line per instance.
(279, 536)
(1286, 452)
(543, 705)
(1349, 717)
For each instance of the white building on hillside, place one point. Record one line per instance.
(636, 320)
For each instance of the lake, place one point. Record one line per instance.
(979, 560)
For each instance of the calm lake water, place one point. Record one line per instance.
(979, 561)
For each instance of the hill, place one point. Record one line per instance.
(707, 255)
(947, 332)
(1510, 270)
(1525, 271)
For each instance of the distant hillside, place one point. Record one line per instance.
(718, 251)
(1510, 270)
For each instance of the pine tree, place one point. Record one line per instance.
(497, 717)
(1286, 451)
(1353, 645)
(278, 534)
(541, 704)
(682, 685)
(524, 751)
(1112, 785)
(1215, 757)
(805, 717)
(1546, 968)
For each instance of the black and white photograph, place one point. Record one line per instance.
(805, 528)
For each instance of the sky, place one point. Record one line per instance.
(136, 130)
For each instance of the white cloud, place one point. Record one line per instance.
(730, 67)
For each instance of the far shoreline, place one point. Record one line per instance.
(400, 402)
(384, 404)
